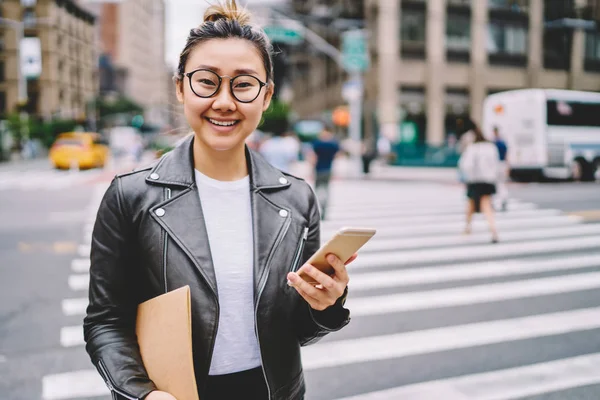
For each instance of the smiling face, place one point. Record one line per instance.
(220, 122)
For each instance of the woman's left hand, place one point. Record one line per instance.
(330, 287)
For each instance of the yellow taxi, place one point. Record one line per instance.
(81, 150)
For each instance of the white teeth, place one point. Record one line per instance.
(222, 123)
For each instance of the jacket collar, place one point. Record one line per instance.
(177, 168)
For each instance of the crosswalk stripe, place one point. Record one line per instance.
(511, 383)
(392, 229)
(376, 245)
(74, 306)
(401, 302)
(71, 385)
(80, 265)
(71, 336)
(465, 253)
(492, 269)
(377, 348)
(79, 282)
(84, 250)
(424, 219)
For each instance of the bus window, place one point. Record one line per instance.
(572, 113)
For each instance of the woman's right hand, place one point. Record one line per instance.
(158, 395)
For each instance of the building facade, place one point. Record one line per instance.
(57, 45)
(131, 41)
(434, 61)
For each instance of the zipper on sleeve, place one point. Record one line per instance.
(300, 250)
(167, 196)
(111, 385)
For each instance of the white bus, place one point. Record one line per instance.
(550, 133)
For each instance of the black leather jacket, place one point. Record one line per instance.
(150, 237)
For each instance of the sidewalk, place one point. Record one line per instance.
(343, 169)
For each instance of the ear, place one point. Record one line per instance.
(179, 89)
(268, 96)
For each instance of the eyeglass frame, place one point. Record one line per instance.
(231, 79)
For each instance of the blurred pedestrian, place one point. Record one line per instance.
(325, 149)
(503, 169)
(479, 165)
(281, 150)
(214, 215)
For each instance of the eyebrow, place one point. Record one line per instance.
(248, 71)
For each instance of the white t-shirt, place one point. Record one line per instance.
(228, 217)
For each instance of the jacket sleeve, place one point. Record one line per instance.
(312, 325)
(109, 326)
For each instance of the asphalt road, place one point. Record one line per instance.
(456, 307)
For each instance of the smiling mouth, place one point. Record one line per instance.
(222, 123)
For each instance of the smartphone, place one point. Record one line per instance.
(343, 244)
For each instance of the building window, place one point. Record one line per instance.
(512, 5)
(507, 43)
(458, 37)
(592, 51)
(29, 16)
(2, 77)
(557, 49)
(2, 104)
(412, 33)
(1, 43)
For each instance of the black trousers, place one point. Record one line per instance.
(249, 384)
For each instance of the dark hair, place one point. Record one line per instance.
(478, 134)
(224, 21)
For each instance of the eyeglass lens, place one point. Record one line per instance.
(244, 88)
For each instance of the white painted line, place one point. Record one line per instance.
(3, 359)
(87, 238)
(465, 253)
(375, 212)
(491, 269)
(72, 385)
(394, 230)
(80, 265)
(84, 250)
(79, 282)
(511, 383)
(75, 306)
(432, 219)
(458, 239)
(71, 336)
(469, 295)
(376, 348)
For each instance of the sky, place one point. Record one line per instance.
(183, 15)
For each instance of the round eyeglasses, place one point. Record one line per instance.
(206, 83)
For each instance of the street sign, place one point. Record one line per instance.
(280, 34)
(355, 55)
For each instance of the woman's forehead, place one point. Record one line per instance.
(227, 56)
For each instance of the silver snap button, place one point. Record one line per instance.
(283, 181)
(283, 213)
(154, 176)
(160, 212)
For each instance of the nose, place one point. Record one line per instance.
(224, 100)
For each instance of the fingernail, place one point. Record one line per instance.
(331, 258)
(291, 278)
(289, 283)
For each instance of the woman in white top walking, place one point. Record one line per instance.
(479, 165)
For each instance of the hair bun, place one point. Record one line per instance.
(227, 10)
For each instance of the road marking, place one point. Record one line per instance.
(72, 385)
(64, 247)
(3, 359)
(80, 265)
(433, 219)
(71, 336)
(464, 253)
(75, 306)
(384, 244)
(511, 383)
(79, 282)
(393, 229)
(84, 250)
(463, 296)
(491, 269)
(377, 348)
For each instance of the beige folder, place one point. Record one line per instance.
(164, 331)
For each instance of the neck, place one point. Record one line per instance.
(229, 165)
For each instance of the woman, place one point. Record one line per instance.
(214, 215)
(479, 166)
